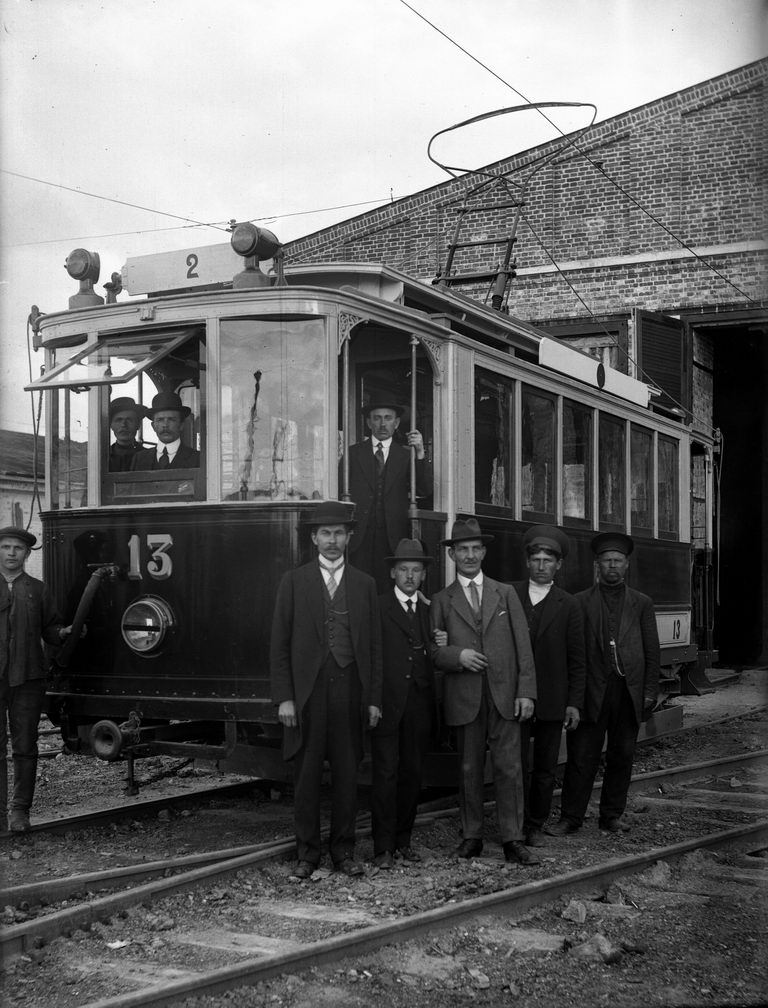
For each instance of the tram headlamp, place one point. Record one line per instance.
(253, 243)
(84, 266)
(146, 624)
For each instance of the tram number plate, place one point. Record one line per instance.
(674, 628)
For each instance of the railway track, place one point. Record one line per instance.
(716, 805)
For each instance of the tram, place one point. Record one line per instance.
(175, 571)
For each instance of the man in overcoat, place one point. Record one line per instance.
(400, 740)
(379, 484)
(489, 688)
(125, 415)
(325, 661)
(557, 636)
(167, 415)
(623, 662)
(28, 617)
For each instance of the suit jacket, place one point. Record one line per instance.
(35, 619)
(185, 458)
(397, 486)
(396, 635)
(558, 652)
(298, 646)
(637, 644)
(506, 643)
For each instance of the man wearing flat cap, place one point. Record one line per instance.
(399, 741)
(489, 688)
(167, 414)
(557, 637)
(27, 618)
(623, 661)
(125, 415)
(380, 485)
(325, 663)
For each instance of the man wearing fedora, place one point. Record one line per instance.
(556, 627)
(167, 414)
(325, 662)
(623, 662)
(399, 741)
(489, 688)
(380, 486)
(27, 618)
(125, 415)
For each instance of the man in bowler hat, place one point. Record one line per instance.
(489, 688)
(557, 637)
(380, 484)
(623, 661)
(399, 741)
(325, 662)
(125, 415)
(167, 415)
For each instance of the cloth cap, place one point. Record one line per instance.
(612, 541)
(463, 529)
(546, 537)
(124, 404)
(409, 549)
(330, 513)
(383, 404)
(12, 532)
(168, 401)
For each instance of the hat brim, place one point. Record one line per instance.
(426, 560)
(184, 410)
(482, 536)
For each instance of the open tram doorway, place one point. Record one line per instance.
(740, 410)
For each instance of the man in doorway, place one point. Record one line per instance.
(167, 415)
(380, 485)
(557, 637)
(489, 688)
(623, 662)
(325, 663)
(125, 415)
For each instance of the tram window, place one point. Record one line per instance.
(669, 489)
(577, 462)
(274, 389)
(538, 453)
(612, 468)
(493, 439)
(641, 479)
(69, 449)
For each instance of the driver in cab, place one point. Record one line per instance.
(167, 414)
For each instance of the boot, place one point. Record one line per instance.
(24, 774)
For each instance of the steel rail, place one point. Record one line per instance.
(368, 939)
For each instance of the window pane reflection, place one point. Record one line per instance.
(612, 463)
(538, 453)
(577, 461)
(493, 439)
(641, 479)
(669, 491)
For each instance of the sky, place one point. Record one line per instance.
(145, 125)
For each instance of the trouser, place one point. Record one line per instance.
(331, 730)
(397, 759)
(540, 768)
(617, 721)
(20, 710)
(503, 738)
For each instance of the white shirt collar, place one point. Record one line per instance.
(402, 598)
(171, 448)
(537, 592)
(464, 581)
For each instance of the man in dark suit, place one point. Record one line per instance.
(623, 662)
(489, 688)
(399, 741)
(557, 637)
(380, 486)
(125, 415)
(325, 661)
(167, 415)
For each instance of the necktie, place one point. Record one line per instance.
(379, 456)
(164, 460)
(331, 582)
(409, 606)
(475, 597)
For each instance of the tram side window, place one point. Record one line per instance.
(641, 480)
(669, 489)
(577, 462)
(538, 453)
(611, 472)
(68, 454)
(493, 439)
(274, 388)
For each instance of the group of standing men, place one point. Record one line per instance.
(517, 663)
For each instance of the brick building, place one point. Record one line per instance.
(643, 241)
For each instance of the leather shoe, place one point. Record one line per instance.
(535, 838)
(349, 867)
(469, 848)
(563, 828)
(384, 860)
(613, 825)
(516, 851)
(303, 870)
(19, 821)
(408, 854)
